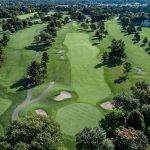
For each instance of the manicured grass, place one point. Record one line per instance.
(74, 117)
(4, 105)
(87, 80)
(26, 15)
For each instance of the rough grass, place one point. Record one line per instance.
(74, 117)
(4, 105)
(87, 80)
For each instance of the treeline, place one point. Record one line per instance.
(37, 72)
(14, 24)
(125, 128)
(3, 44)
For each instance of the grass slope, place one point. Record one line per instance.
(87, 81)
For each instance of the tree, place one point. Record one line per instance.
(141, 91)
(32, 133)
(136, 120)
(137, 37)
(112, 121)
(125, 102)
(146, 113)
(45, 57)
(33, 72)
(93, 26)
(93, 139)
(145, 40)
(127, 67)
(130, 139)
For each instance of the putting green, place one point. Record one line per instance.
(4, 105)
(74, 117)
(87, 81)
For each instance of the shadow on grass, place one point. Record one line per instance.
(109, 64)
(94, 44)
(142, 45)
(21, 84)
(147, 49)
(37, 48)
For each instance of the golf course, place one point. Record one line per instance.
(74, 68)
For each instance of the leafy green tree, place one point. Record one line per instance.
(141, 91)
(127, 67)
(136, 120)
(112, 121)
(125, 102)
(33, 72)
(146, 113)
(93, 26)
(130, 139)
(93, 139)
(32, 133)
(145, 40)
(137, 37)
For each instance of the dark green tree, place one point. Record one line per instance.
(136, 120)
(93, 139)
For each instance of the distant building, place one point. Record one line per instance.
(145, 23)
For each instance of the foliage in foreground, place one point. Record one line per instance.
(32, 133)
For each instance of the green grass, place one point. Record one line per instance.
(4, 105)
(87, 81)
(135, 53)
(74, 117)
(26, 15)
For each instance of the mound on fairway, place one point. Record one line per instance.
(74, 117)
(87, 79)
(4, 105)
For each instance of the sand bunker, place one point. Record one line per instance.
(107, 105)
(62, 57)
(60, 52)
(63, 95)
(41, 112)
(140, 71)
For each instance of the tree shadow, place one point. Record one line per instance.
(37, 48)
(147, 49)
(120, 79)
(142, 45)
(99, 65)
(95, 38)
(21, 84)
(94, 44)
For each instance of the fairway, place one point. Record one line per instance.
(74, 117)
(87, 81)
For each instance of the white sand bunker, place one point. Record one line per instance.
(60, 52)
(62, 57)
(41, 112)
(107, 105)
(63, 95)
(140, 71)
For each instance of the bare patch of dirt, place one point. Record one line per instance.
(63, 95)
(107, 105)
(41, 112)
